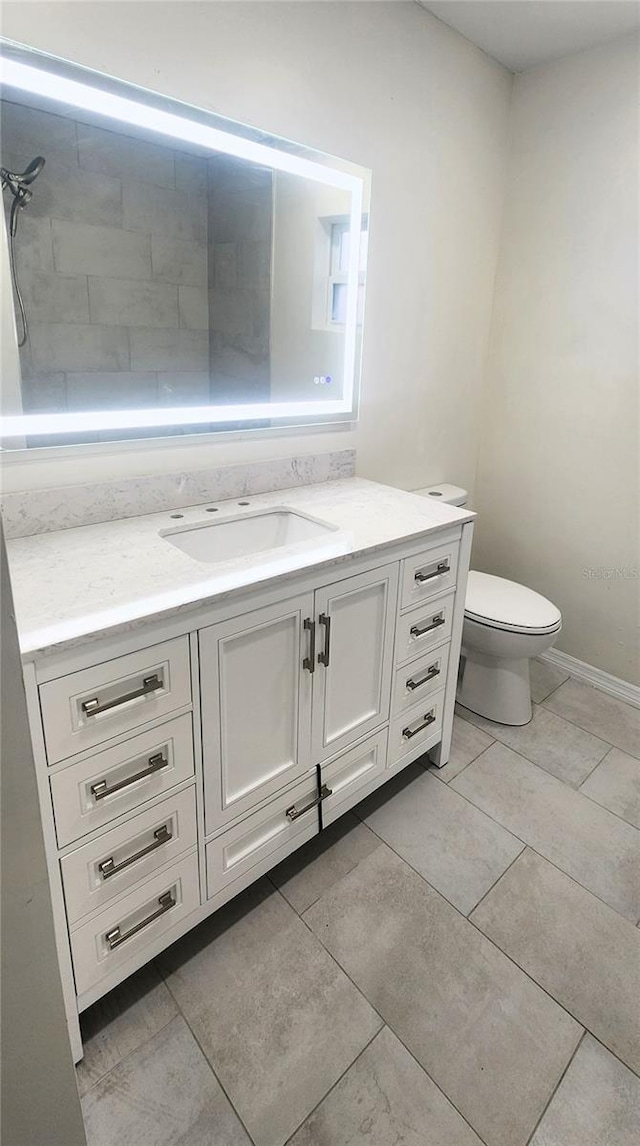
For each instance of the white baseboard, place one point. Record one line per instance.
(622, 689)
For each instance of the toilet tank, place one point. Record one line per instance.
(450, 494)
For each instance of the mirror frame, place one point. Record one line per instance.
(28, 71)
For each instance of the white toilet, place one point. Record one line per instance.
(505, 624)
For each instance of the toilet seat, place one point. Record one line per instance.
(501, 604)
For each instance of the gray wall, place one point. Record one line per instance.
(240, 197)
(112, 261)
(40, 1104)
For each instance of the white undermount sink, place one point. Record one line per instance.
(246, 534)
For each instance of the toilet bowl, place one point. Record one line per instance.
(505, 625)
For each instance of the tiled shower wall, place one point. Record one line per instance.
(240, 198)
(112, 256)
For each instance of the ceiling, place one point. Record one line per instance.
(523, 33)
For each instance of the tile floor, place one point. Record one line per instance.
(455, 963)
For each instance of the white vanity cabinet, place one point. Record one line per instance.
(180, 761)
(286, 687)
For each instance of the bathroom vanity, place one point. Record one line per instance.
(208, 687)
(209, 690)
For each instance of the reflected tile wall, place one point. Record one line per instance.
(240, 248)
(111, 255)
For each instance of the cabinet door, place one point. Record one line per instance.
(256, 707)
(355, 622)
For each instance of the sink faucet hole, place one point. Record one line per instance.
(244, 503)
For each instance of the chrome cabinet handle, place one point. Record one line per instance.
(309, 662)
(431, 672)
(102, 789)
(417, 631)
(442, 568)
(94, 708)
(115, 937)
(323, 658)
(293, 813)
(428, 719)
(108, 868)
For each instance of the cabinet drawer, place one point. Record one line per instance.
(351, 773)
(111, 938)
(420, 679)
(424, 627)
(267, 832)
(112, 864)
(93, 792)
(430, 572)
(86, 708)
(418, 728)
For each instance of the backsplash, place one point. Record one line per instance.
(64, 507)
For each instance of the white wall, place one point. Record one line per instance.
(385, 85)
(557, 486)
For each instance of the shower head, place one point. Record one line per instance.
(18, 182)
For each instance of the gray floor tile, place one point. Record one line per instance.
(596, 848)
(306, 874)
(121, 1021)
(545, 679)
(164, 1094)
(558, 746)
(491, 1039)
(596, 1104)
(385, 1099)
(604, 715)
(459, 850)
(581, 951)
(615, 784)
(468, 742)
(277, 1018)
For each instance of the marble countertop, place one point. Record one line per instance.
(75, 585)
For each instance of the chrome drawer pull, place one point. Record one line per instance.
(309, 662)
(115, 937)
(323, 658)
(417, 631)
(293, 813)
(407, 732)
(442, 568)
(431, 672)
(102, 789)
(94, 708)
(108, 868)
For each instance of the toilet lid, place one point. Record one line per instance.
(507, 605)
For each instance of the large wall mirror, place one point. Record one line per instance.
(170, 271)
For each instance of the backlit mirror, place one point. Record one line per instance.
(170, 271)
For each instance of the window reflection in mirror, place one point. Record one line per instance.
(156, 274)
